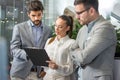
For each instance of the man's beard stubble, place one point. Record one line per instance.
(36, 22)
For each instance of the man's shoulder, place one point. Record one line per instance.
(103, 22)
(22, 23)
(47, 28)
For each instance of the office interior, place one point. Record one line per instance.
(13, 12)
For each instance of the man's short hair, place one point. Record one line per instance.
(34, 5)
(88, 3)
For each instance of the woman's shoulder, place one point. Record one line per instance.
(51, 39)
(71, 40)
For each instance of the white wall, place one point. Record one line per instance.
(106, 6)
(116, 20)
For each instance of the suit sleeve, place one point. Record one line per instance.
(102, 38)
(15, 46)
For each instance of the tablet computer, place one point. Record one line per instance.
(37, 56)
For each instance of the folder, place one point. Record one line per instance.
(37, 56)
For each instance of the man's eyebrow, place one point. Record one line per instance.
(82, 11)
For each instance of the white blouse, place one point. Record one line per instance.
(58, 51)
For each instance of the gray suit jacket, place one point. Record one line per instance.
(22, 37)
(95, 54)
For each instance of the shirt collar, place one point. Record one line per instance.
(91, 24)
(62, 40)
(31, 23)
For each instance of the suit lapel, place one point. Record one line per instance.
(29, 31)
(83, 38)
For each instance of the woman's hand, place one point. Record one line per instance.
(52, 64)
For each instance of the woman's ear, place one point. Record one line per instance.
(68, 28)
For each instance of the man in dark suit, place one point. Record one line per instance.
(32, 33)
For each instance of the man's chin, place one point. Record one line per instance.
(82, 23)
(36, 24)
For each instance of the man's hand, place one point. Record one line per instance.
(42, 74)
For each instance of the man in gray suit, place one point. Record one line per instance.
(95, 45)
(32, 33)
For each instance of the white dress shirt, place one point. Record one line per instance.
(58, 51)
